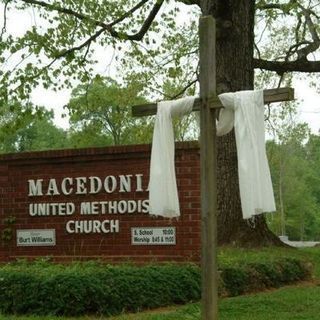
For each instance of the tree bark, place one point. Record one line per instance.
(235, 71)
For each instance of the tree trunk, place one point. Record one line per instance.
(235, 39)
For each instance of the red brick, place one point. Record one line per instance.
(16, 169)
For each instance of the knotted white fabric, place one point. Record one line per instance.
(245, 110)
(163, 193)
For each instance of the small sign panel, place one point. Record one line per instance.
(36, 237)
(153, 236)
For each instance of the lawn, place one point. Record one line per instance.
(292, 302)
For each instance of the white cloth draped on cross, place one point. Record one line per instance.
(244, 110)
(163, 193)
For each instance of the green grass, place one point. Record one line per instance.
(294, 303)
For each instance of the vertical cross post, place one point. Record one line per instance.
(208, 169)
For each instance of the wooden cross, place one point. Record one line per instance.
(208, 104)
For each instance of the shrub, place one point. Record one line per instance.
(87, 289)
(258, 276)
(235, 280)
(92, 288)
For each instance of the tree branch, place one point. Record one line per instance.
(108, 27)
(285, 7)
(86, 53)
(295, 49)
(191, 2)
(3, 30)
(301, 49)
(313, 46)
(128, 13)
(64, 53)
(147, 23)
(81, 46)
(184, 89)
(104, 27)
(301, 65)
(67, 11)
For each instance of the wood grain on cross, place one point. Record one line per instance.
(270, 96)
(208, 104)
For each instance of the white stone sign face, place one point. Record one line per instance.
(153, 236)
(36, 237)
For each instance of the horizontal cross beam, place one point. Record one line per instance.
(270, 96)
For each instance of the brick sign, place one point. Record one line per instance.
(93, 204)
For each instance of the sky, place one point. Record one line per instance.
(309, 108)
(308, 98)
